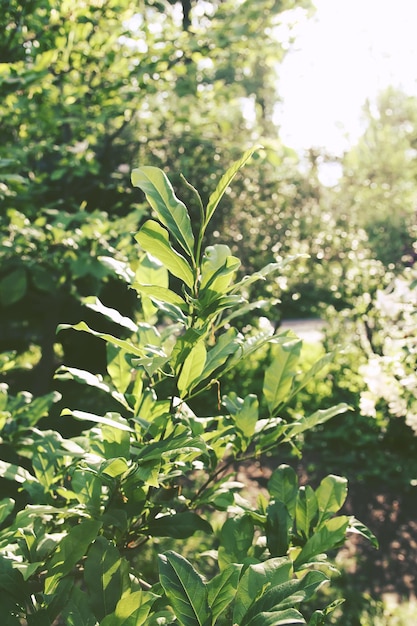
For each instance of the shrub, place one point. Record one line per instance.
(155, 469)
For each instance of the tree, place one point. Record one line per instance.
(379, 185)
(87, 89)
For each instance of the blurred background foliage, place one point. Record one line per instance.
(89, 90)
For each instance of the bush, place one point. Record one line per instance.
(152, 469)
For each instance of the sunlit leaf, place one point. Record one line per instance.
(70, 550)
(331, 495)
(170, 210)
(224, 182)
(280, 374)
(106, 575)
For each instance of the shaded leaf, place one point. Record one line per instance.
(222, 589)
(277, 528)
(178, 526)
(283, 486)
(185, 590)
(69, 551)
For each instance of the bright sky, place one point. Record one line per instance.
(348, 52)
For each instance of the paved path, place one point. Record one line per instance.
(307, 329)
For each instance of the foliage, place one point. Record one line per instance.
(155, 469)
(87, 89)
(378, 187)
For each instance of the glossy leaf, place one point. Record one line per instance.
(247, 416)
(131, 610)
(306, 512)
(283, 486)
(185, 590)
(224, 182)
(6, 507)
(331, 495)
(191, 369)
(70, 550)
(113, 315)
(127, 346)
(236, 539)
(277, 618)
(285, 595)
(331, 534)
(179, 525)
(162, 294)
(355, 526)
(280, 374)
(256, 579)
(278, 527)
(222, 589)
(154, 239)
(77, 611)
(319, 417)
(170, 210)
(106, 576)
(118, 367)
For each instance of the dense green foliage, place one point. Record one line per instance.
(90, 89)
(153, 468)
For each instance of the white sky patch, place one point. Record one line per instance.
(348, 52)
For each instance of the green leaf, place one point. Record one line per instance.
(106, 575)
(70, 550)
(170, 210)
(217, 269)
(178, 526)
(127, 346)
(223, 184)
(185, 590)
(306, 512)
(16, 473)
(280, 374)
(331, 534)
(12, 583)
(277, 618)
(77, 611)
(6, 507)
(13, 287)
(131, 610)
(256, 579)
(319, 417)
(118, 367)
(283, 486)
(154, 239)
(331, 495)
(222, 589)
(191, 369)
(114, 467)
(277, 528)
(162, 294)
(355, 526)
(93, 303)
(236, 539)
(246, 418)
(98, 419)
(284, 596)
(44, 457)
